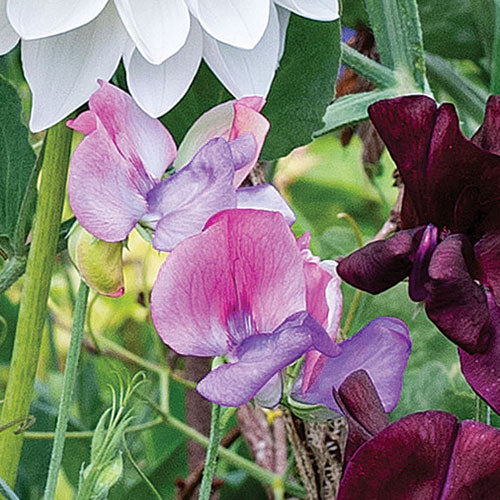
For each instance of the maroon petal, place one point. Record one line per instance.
(381, 264)
(487, 252)
(358, 399)
(456, 304)
(488, 135)
(474, 471)
(406, 461)
(482, 370)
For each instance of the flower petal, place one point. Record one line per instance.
(246, 72)
(34, 20)
(487, 253)
(407, 461)
(158, 88)
(270, 395)
(8, 37)
(381, 264)
(475, 463)
(482, 370)
(137, 136)
(243, 258)
(456, 304)
(260, 357)
(187, 199)
(321, 10)
(158, 28)
(488, 135)
(264, 197)
(102, 190)
(62, 71)
(238, 23)
(381, 348)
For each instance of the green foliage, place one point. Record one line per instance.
(304, 85)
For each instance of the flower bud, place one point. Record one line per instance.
(98, 262)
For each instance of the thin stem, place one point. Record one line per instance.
(483, 411)
(355, 228)
(495, 58)
(67, 390)
(12, 272)
(380, 75)
(212, 452)
(33, 304)
(352, 313)
(6, 491)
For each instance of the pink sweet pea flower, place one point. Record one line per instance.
(240, 290)
(116, 176)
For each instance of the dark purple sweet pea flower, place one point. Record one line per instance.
(116, 178)
(427, 455)
(449, 242)
(243, 289)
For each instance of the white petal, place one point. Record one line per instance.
(158, 28)
(62, 70)
(321, 10)
(239, 23)
(283, 18)
(158, 88)
(8, 37)
(38, 19)
(246, 72)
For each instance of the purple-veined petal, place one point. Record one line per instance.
(139, 138)
(243, 150)
(103, 188)
(62, 70)
(487, 253)
(260, 357)
(158, 28)
(321, 10)
(264, 197)
(482, 370)
(381, 348)
(246, 72)
(186, 200)
(238, 23)
(488, 135)
(8, 37)
(419, 275)
(456, 304)
(158, 88)
(406, 461)
(381, 264)
(33, 20)
(244, 259)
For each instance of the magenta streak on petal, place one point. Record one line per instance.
(420, 271)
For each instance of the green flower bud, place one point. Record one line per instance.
(98, 262)
(109, 476)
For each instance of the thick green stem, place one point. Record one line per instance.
(67, 390)
(212, 452)
(33, 304)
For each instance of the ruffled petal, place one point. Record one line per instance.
(244, 261)
(381, 264)
(260, 357)
(62, 70)
(456, 304)
(102, 188)
(320, 10)
(186, 200)
(246, 72)
(407, 460)
(34, 20)
(238, 23)
(482, 370)
(488, 135)
(158, 28)
(138, 137)
(487, 253)
(381, 348)
(264, 197)
(158, 88)
(8, 37)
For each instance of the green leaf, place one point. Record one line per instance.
(304, 85)
(16, 161)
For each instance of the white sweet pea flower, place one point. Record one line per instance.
(67, 45)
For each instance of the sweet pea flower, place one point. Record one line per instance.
(116, 173)
(427, 455)
(449, 242)
(245, 289)
(68, 44)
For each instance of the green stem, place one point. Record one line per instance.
(6, 491)
(67, 390)
(380, 75)
(33, 304)
(495, 58)
(12, 272)
(483, 411)
(212, 452)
